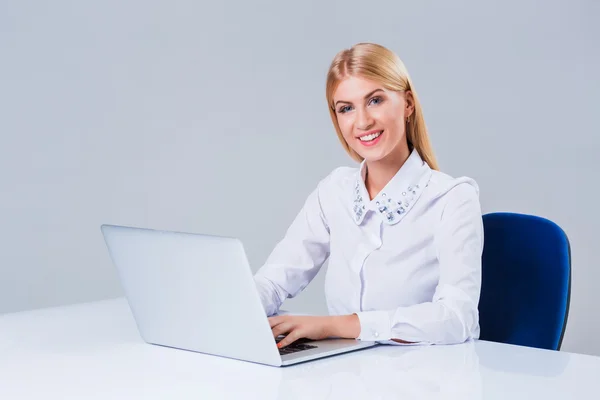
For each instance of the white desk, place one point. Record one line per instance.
(94, 351)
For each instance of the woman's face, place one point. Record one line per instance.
(372, 119)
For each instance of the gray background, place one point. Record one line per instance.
(212, 118)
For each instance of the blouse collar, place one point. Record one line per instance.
(397, 198)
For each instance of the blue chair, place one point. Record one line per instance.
(526, 281)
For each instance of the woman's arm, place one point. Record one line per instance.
(297, 258)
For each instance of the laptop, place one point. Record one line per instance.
(196, 292)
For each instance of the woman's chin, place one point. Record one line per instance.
(371, 154)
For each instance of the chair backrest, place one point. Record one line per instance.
(526, 281)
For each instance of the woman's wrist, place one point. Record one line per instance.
(345, 326)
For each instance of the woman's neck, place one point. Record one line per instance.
(380, 172)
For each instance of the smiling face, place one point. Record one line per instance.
(372, 119)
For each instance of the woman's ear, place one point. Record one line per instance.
(410, 104)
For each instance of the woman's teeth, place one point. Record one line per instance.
(370, 137)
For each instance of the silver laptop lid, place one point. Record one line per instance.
(192, 291)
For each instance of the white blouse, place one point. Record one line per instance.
(408, 262)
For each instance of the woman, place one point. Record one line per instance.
(404, 241)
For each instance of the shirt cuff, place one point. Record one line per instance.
(267, 294)
(374, 326)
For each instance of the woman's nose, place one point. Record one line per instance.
(363, 120)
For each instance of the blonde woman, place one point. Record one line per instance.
(404, 241)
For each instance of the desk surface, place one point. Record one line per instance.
(94, 351)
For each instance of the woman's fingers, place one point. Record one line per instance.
(289, 339)
(276, 320)
(282, 329)
(293, 326)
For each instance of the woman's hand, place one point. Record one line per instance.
(315, 328)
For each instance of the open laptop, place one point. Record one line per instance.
(196, 292)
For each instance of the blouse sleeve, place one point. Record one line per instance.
(452, 314)
(298, 257)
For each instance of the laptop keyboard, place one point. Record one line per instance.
(298, 345)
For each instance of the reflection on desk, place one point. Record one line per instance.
(388, 372)
(94, 351)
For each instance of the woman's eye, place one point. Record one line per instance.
(374, 100)
(378, 99)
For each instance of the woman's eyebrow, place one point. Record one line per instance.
(366, 96)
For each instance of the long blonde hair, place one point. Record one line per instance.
(377, 63)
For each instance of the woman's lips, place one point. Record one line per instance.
(371, 142)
